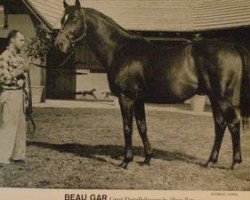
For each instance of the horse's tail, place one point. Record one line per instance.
(245, 84)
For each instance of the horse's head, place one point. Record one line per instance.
(73, 27)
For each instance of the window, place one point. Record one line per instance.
(3, 17)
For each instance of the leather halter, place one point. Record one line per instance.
(84, 34)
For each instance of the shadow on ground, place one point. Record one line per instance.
(114, 151)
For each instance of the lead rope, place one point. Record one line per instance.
(59, 66)
(29, 109)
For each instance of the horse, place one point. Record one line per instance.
(84, 93)
(107, 95)
(140, 71)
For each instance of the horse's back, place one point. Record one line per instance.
(168, 74)
(159, 73)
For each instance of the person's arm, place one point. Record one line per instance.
(21, 68)
(5, 76)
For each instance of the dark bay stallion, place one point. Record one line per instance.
(139, 71)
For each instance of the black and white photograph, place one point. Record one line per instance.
(125, 99)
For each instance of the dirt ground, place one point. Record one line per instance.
(82, 148)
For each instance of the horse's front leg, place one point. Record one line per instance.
(127, 106)
(142, 128)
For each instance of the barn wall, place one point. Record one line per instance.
(91, 81)
(23, 23)
(161, 18)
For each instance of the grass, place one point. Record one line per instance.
(82, 148)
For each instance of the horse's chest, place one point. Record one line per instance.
(128, 80)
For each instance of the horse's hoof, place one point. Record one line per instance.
(144, 163)
(235, 165)
(147, 160)
(208, 165)
(124, 165)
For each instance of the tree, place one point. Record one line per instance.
(40, 46)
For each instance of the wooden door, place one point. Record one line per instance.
(3, 44)
(61, 81)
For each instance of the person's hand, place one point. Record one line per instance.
(25, 68)
(22, 65)
(20, 82)
(18, 71)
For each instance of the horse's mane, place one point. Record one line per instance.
(111, 22)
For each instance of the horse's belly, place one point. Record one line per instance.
(172, 90)
(173, 81)
(164, 95)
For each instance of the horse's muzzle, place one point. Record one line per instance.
(61, 46)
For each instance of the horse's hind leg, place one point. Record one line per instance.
(220, 127)
(127, 106)
(139, 111)
(234, 128)
(229, 114)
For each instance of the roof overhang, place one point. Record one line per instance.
(36, 13)
(161, 15)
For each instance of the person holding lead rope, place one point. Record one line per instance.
(13, 101)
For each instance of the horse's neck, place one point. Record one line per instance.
(105, 39)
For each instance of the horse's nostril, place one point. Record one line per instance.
(60, 46)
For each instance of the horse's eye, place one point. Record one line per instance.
(62, 21)
(75, 19)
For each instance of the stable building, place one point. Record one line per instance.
(168, 21)
(17, 14)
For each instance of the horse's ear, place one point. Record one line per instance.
(78, 4)
(65, 4)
